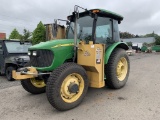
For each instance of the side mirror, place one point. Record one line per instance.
(67, 22)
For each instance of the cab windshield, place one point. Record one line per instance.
(85, 26)
(16, 47)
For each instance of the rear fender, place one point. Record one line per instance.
(112, 47)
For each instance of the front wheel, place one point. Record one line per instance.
(117, 69)
(67, 86)
(34, 85)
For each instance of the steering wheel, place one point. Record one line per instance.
(88, 38)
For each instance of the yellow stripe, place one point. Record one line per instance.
(61, 45)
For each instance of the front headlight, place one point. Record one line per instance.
(29, 52)
(34, 53)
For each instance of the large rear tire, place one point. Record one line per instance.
(67, 86)
(117, 69)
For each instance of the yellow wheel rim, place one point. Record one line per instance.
(37, 83)
(122, 68)
(65, 94)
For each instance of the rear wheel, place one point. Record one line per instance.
(9, 73)
(67, 86)
(117, 69)
(34, 85)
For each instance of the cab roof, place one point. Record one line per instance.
(102, 13)
(108, 13)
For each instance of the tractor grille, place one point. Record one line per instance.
(44, 58)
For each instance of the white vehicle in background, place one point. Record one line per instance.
(137, 46)
(130, 51)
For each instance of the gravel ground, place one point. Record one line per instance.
(138, 100)
(4, 83)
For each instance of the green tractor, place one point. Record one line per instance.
(91, 56)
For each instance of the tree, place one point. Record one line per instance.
(137, 36)
(151, 35)
(156, 36)
(126, 35)
(26, 35)
(14, 34)
(39, 34)
(157, 42)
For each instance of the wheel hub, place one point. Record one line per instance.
(122, 69)
(73, 88)
(37, 83)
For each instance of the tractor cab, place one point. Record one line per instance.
(97, 25)
(97, 31)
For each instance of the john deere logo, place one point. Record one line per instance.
(86, 53)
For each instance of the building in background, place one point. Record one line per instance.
(138, 42)
(2, 36)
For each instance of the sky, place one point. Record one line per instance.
(140, 16)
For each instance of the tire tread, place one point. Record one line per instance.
(110, 72)
(54, 81)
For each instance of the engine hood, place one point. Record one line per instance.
(51, 44)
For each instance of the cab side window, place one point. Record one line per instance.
(104, 30)
(116, 31)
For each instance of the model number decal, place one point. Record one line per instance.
(98, 56)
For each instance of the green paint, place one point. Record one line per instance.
(49, 45)
(156, 48)
(62, 50)
(144, 48)
(104, 13)
(112, 47)
(111, 13)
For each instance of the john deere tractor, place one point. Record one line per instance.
(91, 56)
